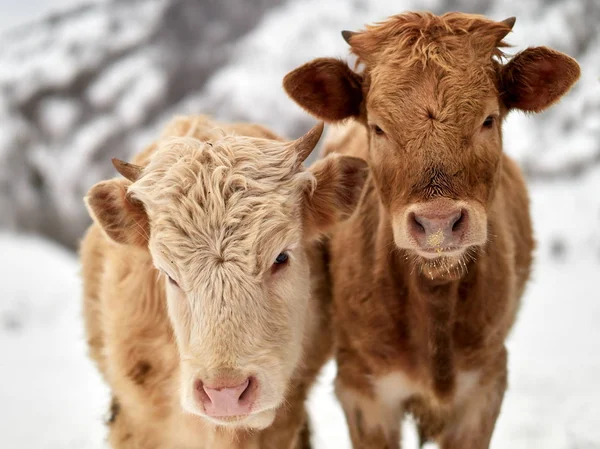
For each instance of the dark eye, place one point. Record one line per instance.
(377, 130)
(489, 122)
(281, 259)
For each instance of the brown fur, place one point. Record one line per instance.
(130, 334)
(416, 334)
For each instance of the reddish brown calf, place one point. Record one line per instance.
(428, 273)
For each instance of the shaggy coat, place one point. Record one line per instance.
(183, 285)
(428, 272)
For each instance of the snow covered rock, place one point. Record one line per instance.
(81, 86)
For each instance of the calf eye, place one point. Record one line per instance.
(281, 259)
(377, 130)
(489, 122)
(280, 262)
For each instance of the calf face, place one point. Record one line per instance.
(433, 94)
(226, 223)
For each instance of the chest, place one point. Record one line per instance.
(380, 314)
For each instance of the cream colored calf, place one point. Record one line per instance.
(197, 275)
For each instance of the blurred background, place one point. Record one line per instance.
(83, 81)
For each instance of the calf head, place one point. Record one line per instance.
(227, 223)
(433, 93)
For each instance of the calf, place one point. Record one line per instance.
(197, 286)
(428, 272)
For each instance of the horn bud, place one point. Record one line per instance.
(303, 146)
(510, 22)
(128, 170)
(508, 26)
(347, 35)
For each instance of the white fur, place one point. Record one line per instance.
(394, 388)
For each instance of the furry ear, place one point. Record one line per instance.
(536, 78)
(123, 219)
(340, 180)
(327, 88)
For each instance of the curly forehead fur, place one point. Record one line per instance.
(228, 200)
(421, 38)
(431, 67)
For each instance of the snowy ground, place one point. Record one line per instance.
(50, 394)
(48, 384)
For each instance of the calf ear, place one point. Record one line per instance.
(122, 218)
(536, 78)
(327, 88)
(339, 183)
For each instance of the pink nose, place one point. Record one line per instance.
(438, 228)
(223, 400)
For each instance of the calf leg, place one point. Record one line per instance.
(122, 433)
(473, 423)
(371, 424)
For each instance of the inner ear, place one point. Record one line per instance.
(536, 78)
(122, 218)
(327, 88)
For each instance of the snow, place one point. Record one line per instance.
(50, 394)
(58, 115)
(136, 100)
(16, 14)
(568, 213)
(554, 398)
(66, 60)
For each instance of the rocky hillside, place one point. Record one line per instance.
(81, 86)
(98, 81)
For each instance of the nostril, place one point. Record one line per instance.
(226, 397)
(417, 223)
(459, 219)
(247, 393)
(201, 392)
